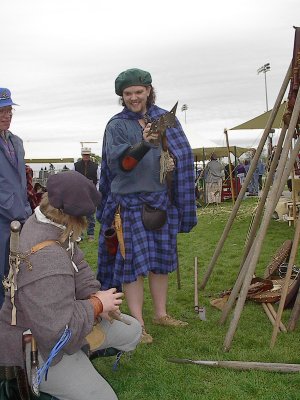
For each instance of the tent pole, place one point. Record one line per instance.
(247, 178)
(230, 169)
(295, 313)
(204, 183)
(235, 169)
(277, 188)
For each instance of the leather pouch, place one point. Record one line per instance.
(111, 241)
(95, 338)
(153, 218)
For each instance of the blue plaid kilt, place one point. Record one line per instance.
(146, 250)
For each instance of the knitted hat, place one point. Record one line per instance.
(73, 193)
(132, 77)
(5, 98)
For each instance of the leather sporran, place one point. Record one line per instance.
(153, 218)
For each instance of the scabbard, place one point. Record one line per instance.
(22, 382)
(119, 231)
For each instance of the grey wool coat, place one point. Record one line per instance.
(50, 295)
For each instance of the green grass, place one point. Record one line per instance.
(146, 374)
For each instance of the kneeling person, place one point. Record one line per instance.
(58, 294)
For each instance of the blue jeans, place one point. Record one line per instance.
(91, 224)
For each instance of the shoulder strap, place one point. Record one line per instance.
(41, 245)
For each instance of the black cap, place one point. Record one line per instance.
(73, 193)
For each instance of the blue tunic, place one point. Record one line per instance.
(121, 134)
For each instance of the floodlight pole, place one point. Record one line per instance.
(184, 108)
(265, 68)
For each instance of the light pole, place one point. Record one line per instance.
(184, 108)
(265, 68)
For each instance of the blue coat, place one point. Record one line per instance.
(14, 204)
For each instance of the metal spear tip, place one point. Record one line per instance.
(15, 226)
(173, 111)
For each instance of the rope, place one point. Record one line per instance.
(43, 370)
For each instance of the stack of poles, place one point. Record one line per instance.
(285, 165)
(255, 241)
(247, 180)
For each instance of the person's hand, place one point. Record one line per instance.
(147, 136)
(111, 299)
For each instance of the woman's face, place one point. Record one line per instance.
(135, 98)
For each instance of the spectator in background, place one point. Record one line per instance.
(14, 203)
(241, 172)
(261, 170)
(253, 187)
(88, 168)
(213, 175)
(31, 193)
(39, 190)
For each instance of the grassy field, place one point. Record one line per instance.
(146, 374)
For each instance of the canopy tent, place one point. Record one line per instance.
(204, 153)
(260, 122)
(48, 160)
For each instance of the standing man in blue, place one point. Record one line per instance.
(132, 188)
(14, 204)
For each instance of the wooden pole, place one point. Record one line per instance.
(204, 183)
(247, 178)
(271, 313)
(230, 169)
(286, 282)
(277, 187)
(295, 313)
(294, 197)
(178, 271)
(196, 298)
(241, 365)
(235, 168)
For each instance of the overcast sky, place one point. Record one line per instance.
(60, 59)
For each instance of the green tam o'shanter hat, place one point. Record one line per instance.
(132, 77)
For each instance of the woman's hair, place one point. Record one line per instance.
(74, 225)
(150, 101)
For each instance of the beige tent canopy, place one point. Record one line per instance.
(204, 153)
(48, 160)
(260, 122)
